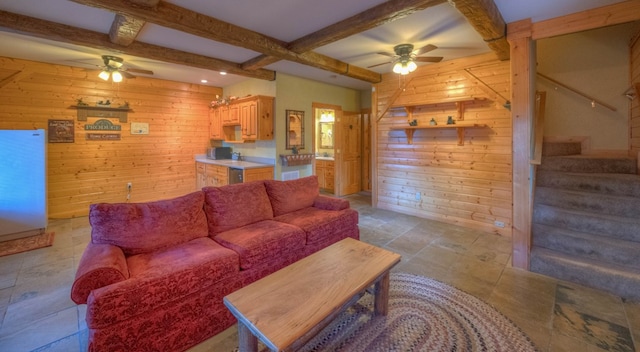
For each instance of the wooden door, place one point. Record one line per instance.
(348, 172)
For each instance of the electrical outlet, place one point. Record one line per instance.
(129, 185)
(498, 223)
(418, 196)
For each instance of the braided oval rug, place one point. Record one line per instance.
(424, 315)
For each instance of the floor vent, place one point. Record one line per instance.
(290, 175)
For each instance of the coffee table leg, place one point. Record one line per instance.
(247, 342)
(381, 289)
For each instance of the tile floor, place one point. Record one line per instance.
(36, 313)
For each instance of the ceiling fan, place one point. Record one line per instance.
(405, 58)
(114, 68)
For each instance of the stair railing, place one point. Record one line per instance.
(593, 100)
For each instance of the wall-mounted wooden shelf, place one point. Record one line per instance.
(85, 111)
(296, 159)
(459, 103)
(409, 130)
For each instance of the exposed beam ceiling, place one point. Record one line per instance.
(336, 42)
(73, 35)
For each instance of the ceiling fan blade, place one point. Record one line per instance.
(127, 74)
(137, 70)
(376, 65)
(386, 54)
(429, 59)
(425, 49)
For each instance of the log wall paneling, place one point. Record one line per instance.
(468, 185)
(159, 165)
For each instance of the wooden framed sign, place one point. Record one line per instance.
(61, 131)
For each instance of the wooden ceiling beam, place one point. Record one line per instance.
(386, 12)
(125, 29)
(485, 17)
(12, 22)
(171, 16)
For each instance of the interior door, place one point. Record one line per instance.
(348, 173)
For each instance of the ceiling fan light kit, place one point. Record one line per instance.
(114, 68)
(404, 58)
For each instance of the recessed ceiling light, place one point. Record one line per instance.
(223, 73)
(203, 81)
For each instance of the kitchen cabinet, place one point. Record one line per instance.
(212, 175)
(230, 114)
(215, 124)
(325, 173)
(260, 173)
(247, 119)
(217, 175)
(201, 175)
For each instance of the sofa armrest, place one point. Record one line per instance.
(330, 203)
(101, 265)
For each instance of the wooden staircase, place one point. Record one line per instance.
(586, 220)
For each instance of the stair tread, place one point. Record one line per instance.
(590, 193)
(595, 247)
(632, 245)
(624, 219)
(582, 261)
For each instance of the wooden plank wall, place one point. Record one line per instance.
(634, 117)
(159, 165)
(469, 185)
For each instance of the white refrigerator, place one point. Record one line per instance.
(23, 183)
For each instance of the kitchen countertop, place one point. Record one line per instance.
(237, 164)
(329, 158)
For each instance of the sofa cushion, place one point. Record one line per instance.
(163, 276)
(232, 206)
(288, 196)
(145, 227)
(320, 225)
(262, 241)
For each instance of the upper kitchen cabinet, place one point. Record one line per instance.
(254, 120)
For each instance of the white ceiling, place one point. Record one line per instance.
(285, 20)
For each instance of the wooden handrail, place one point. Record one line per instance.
(592, 99)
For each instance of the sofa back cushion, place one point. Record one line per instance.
(232, 206)
(288, 196)
(145, 227)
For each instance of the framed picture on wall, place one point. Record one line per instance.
(61, 131)
(295, 129)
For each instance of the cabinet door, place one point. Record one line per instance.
(217, 175)
(262, 173)
(233, 117)
(249, 120)
(201, 176)
(215, 124)
(320, 166)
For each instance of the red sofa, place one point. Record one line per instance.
(154, 274)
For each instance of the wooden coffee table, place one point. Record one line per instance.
(287, 308)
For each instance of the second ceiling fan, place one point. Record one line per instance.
(404, 57)
(114, 68)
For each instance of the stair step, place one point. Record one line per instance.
(577, 200)
(619, 280)
(587, 245)
(589, 164)
(621, 228)
(612, 184)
